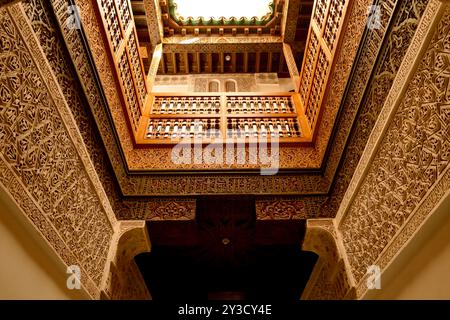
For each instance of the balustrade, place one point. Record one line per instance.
(175, 117)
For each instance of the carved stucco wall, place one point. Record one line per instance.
(404, 171)
(369, 92)
(44, 165)
(51, 167)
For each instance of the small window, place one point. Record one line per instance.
(230, 86)
(214, 86)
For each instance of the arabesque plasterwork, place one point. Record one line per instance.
(44, 163)
(404, 171)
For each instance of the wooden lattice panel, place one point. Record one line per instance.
(120, 31)
(317, 88)
(125, 13)
(111, 20)
(326, 24)
(320, 12)
(129, 90)
(263, 127)
(182, 128)
(261, 105)
(137, 67)
(308, 66)
(335, 15)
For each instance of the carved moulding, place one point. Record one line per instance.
(154, 22)
(289, 208)
(289, 20)
(391, 194)
(124, 280)
(157, 209)
(329, 278)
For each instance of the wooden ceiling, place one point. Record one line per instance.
(218, 62)
(248, 59)
(226, 253)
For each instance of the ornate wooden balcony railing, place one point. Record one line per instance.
(172, 118)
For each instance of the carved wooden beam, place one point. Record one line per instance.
(186, 62)
(257, 62)
(223, 47)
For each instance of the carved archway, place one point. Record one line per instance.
(329, 278)
(125, 281)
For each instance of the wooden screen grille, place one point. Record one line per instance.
(120, 30)
(326, 25)
(239, 116)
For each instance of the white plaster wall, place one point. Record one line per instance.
(422, 269)
(28, 268)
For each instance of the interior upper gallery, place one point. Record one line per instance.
(224, 150)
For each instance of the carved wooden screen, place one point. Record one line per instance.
(232, 115)
(326, 24)
(120, 30)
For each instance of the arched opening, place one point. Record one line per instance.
(230, 86)
(214, 86)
